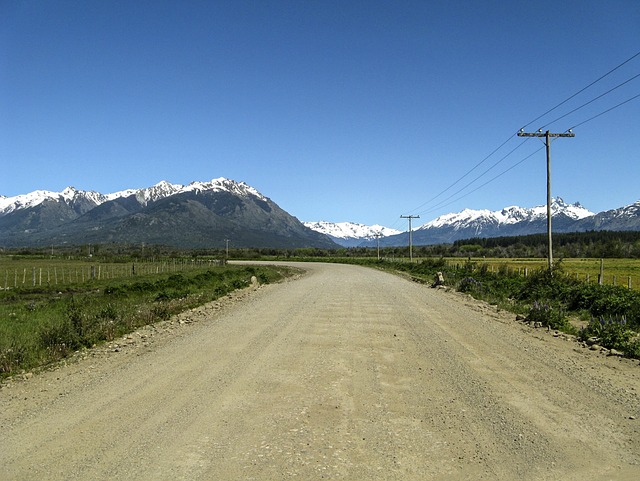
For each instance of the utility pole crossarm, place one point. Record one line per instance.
(544, 134)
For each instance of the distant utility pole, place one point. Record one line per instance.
(410, 233)
(227, 241)
(547, 141)
(377, 235)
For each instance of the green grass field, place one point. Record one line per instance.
(18, 272)
(620, 272)
(52, 308)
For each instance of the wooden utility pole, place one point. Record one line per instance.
(377, 235)
(410, 233)
(547, 141)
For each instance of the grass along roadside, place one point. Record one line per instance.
(44, 324)
(38, 271)
(618, 272)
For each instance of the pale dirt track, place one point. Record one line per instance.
(346, 373)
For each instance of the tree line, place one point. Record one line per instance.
(591, 244)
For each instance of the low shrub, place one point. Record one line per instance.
(550, 316)
(613, 333)
(469, 285)
(13, 356)
(59, 339)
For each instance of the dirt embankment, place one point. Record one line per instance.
(346, 373)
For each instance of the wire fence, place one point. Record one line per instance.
(58, 275)
(591, 271)
(629, 281)
(612, 272)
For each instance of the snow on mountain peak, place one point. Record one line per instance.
(24, 201)
(150, 194)
(508, 215)
(159, 191)
(223, 184)
(350, 230)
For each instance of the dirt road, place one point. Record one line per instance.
(345, 373)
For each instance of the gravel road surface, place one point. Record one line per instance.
(343, 373)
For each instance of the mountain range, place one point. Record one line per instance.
(510, 221)
(206, 214)
(351, 234)
(200, 214)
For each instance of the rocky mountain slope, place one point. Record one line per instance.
(624, 218)
(200, 214)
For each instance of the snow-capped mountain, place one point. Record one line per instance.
(518, 221)
(149, 194)
(143, 196)
(350, 234)
(69, 196)
(510, 221)
(624, 218)
(479, 220)
(200, 214)
(468, 223)
(223, 185)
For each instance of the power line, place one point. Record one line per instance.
(435, 207)
(440, 204)
(486, 183)
(511, 136)
(444, 203)
(465, 175)
(604, 112)
(592, 100)
(581, 90)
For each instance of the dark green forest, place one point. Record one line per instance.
(592, 244)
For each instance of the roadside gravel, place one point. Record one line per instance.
(343, 373)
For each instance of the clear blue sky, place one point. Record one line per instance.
(337, 110)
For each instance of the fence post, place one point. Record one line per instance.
(601, 276)
(629, 282)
